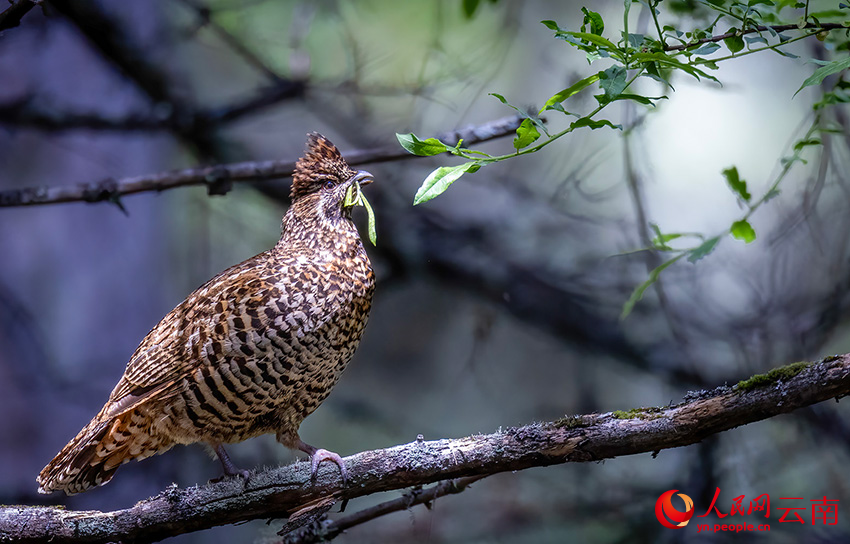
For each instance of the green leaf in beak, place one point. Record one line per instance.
(354, 197)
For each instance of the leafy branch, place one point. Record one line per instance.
(219, 178)
(740, 229)
(773, 30)
(758, 28)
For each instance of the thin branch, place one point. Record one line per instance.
(324, 531)
(204, 15)
(283, 89)
(220, 175)
(287, 490)
(22, 113)
(751, 30)
(11, 16)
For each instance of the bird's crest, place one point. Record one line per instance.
(321, 161)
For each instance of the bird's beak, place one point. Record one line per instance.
(362, 178)
(353, 196)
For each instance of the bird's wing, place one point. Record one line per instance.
(181, 342)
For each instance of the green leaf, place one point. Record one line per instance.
(557, 107)
(551, 25)
(613, 82)
(738, 186)
(598, 41)
(755, 39)
(538, 124)
(646, 100)
(373, 235)
(469, 7)
(653, 73)
(501, 98)
(707, 49)
(352, 196)
(773, 193)
(593, 124)
(423, 148)
(560, 96)
(787, 161)
(742, 230)
(526, 134)
(441, 179)
(636, 40)
(805, 143)
(664, 58)
(597, 25)
(637, 294)
(703, 249)
(734, 43)
(504, 101)
(661, 239)
(355, 197)
(821, 73)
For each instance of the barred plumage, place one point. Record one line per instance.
(254, 350)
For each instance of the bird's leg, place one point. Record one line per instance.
(319, 455)
(227, 465)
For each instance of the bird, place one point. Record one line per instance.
(253, 351)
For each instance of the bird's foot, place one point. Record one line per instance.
(227, 465)
(319, 455)
(325, 455)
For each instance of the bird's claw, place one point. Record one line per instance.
(324, 455)
(228, 467)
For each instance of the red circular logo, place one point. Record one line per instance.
(668, 515)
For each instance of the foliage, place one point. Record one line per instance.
(757, 26)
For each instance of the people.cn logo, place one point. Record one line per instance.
(668, 515)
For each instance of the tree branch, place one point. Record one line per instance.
(22, 113)
(287, 490)
(106, 34)
(319, 531)
(216, 176)
(760, 28)
(11, 16)
(205, 18)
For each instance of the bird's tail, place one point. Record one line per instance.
(93, 456)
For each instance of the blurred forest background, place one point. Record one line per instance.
(497, 303)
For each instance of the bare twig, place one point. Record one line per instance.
(286, 490)
(751, 30)
(323, 531)
(204, 14)
(11, 16)
(22, 112)
(112, 190)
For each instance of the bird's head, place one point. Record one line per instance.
(322, 178)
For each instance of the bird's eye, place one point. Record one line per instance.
(329, 184)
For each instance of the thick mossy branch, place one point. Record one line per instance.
(652, 412)
(776, 375)
(287, 490)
